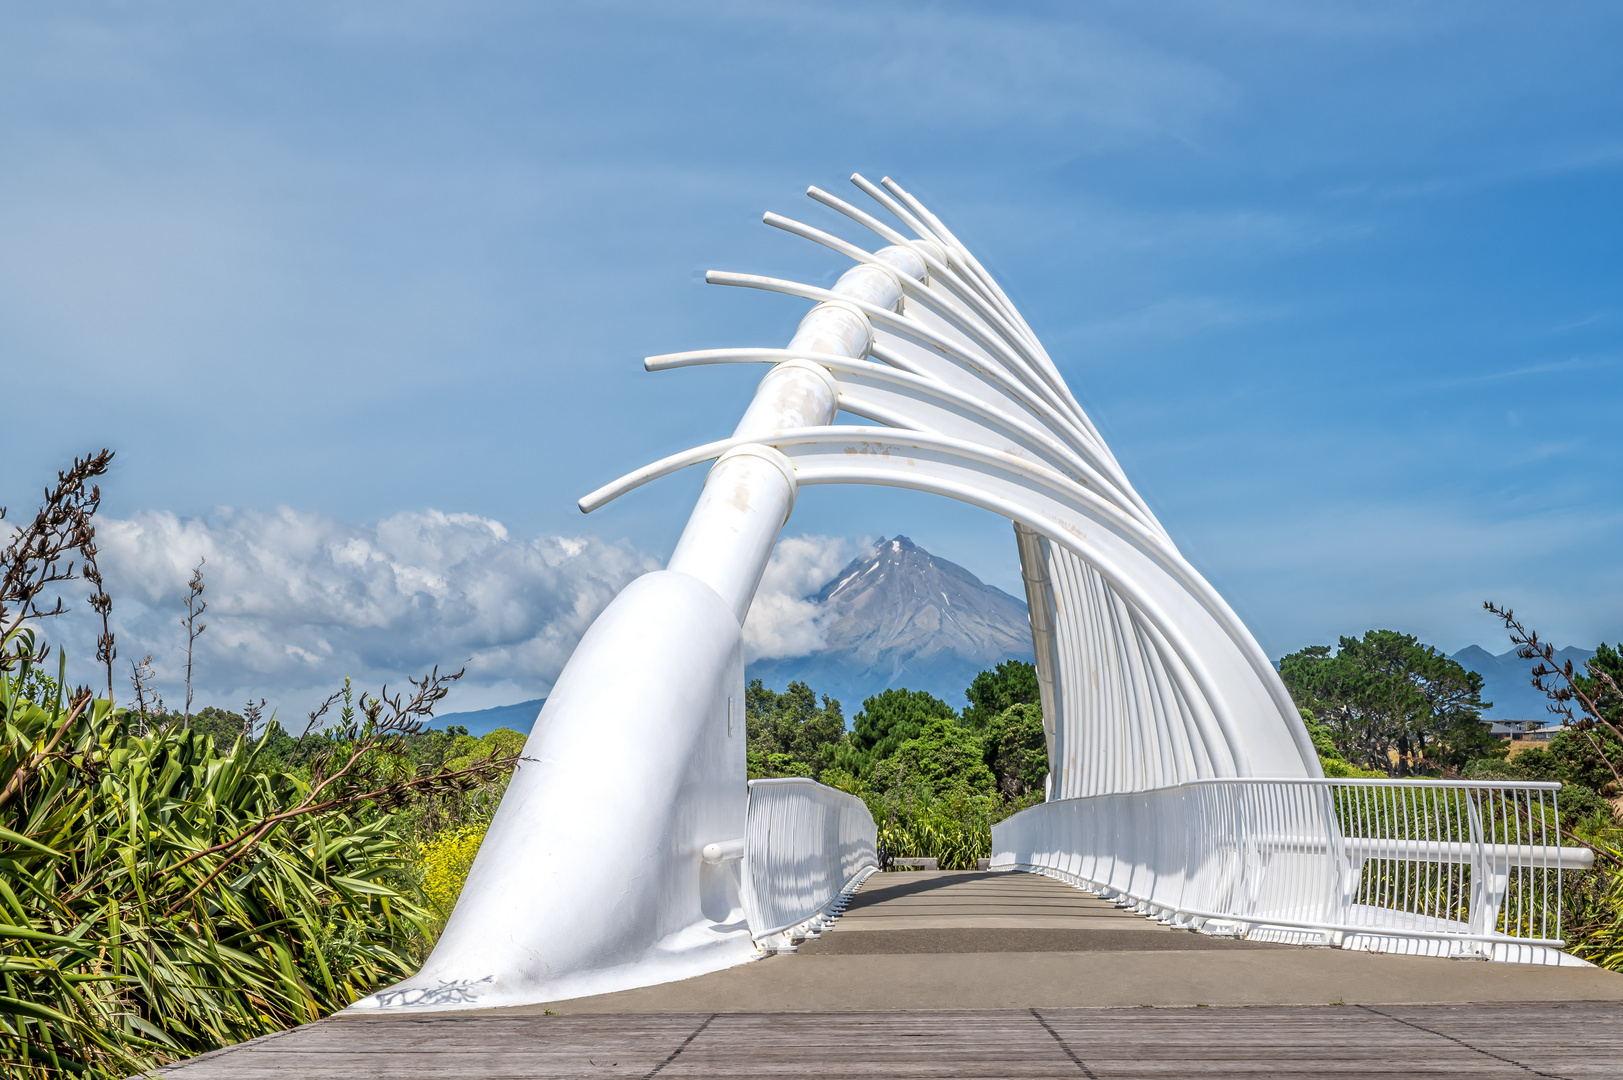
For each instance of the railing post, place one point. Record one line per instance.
(1478, 910)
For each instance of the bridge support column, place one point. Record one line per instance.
(571, 894)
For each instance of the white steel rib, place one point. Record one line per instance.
(1151, 679)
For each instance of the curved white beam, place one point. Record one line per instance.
(1033, 396)
(1196, 681)
(1078, 511)
(926, 391)
(1000, 338)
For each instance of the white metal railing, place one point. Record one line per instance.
(806, 849)
(1422, 866)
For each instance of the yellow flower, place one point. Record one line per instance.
(444, 862)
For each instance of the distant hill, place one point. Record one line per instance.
(520, 718)
(1506, 681)
(899, 616)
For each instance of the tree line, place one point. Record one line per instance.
(935, 778)
(1386, 704)
(1391, 703)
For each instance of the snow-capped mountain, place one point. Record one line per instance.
(899, 616)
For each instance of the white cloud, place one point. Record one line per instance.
(298, 601)
(782, 622)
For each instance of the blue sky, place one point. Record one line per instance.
(1339, 282)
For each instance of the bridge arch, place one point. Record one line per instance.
(1168, 729)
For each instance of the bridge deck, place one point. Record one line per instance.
(1007, 975)
(960, 940)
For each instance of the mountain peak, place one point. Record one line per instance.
(1507, 680)
(897, 615)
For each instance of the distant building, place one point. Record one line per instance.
(1535, 730)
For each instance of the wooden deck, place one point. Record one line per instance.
(1005, 975)
(1578, 1041)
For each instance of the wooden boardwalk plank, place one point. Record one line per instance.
(909, 1045)
(1579, 1041)
(1340, 1042)
(453, 1047)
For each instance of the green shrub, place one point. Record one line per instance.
(1341, 769)
(956, 832)
(159, 902)
(945, 758)
(1324, 742)
(1012, 682)
(443, 863)
(1016, 750)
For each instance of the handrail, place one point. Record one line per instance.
(1466, 868)
(1539, 855)
(806, 847)
(1384, 781)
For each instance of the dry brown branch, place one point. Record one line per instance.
(148, 702)
(37, 557)
(81, 700)
(1563, 693)
(195, 606)
(348, 774)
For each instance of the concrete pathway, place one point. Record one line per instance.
(957, 912)
(966, 940)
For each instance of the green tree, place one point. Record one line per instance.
(222, 725)
(1330, 759)
(1603, 682)
(1392, 703)
(1013, 682)
(890, 718)
(466, 750)
(1324, 743)
(790, 733)
(944, 759)
(1016, 751)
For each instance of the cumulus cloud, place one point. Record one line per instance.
(298, 601)
(783, 622)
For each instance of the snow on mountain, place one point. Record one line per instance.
(899, 616)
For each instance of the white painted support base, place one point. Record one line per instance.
(787, 941)
(574, 893)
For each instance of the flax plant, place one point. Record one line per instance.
(162, 895)
(954, 843)
(132, 937)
